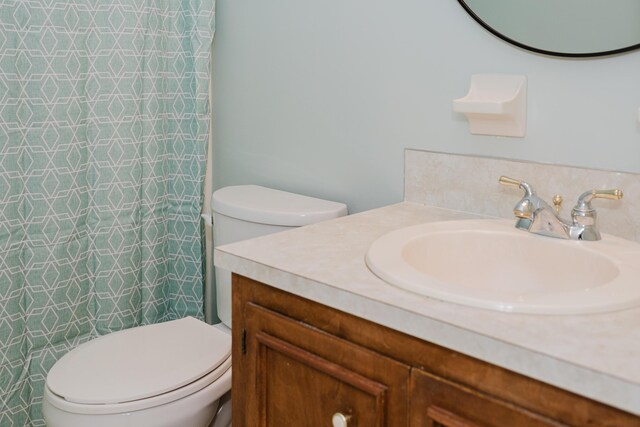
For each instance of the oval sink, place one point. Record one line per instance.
(490, 264)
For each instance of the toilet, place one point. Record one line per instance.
(176, 373)
(245, 211)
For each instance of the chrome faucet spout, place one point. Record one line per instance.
(547, 223)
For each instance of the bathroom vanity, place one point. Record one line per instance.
(299, 363)
(317, 334)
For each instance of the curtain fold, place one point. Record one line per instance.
(104, 124)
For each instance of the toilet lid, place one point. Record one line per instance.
(139, 363)
(274, 207)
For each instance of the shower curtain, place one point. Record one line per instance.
(104, 122)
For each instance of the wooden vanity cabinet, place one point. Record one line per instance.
(297, 363)
(303, 376)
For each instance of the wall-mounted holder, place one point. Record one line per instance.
(495, 105)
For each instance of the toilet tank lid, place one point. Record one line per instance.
(139, 363)
(274, 207)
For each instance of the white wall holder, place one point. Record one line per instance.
(495, 105)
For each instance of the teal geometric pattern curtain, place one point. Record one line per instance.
(104, 121)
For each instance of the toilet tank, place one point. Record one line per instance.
(245, 211)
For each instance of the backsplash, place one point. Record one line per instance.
(470, 184)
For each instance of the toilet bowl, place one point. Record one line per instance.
(173, 374)
(164, 375)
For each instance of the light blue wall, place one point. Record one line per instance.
(322, 97)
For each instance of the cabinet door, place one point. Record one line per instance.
(436, 402)
(297, 375)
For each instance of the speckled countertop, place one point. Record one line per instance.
(597, 356)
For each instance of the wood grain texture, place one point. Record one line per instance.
(297, 375)
(548, 402)
(441, 417)
(298, 388)
(436, 401)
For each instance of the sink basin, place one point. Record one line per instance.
(490, 264)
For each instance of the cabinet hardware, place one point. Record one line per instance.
(340, 420)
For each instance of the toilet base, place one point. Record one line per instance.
(223, 415)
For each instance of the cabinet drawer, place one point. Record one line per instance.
(302, 376)
(436, 402)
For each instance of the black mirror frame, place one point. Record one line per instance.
(543, 51)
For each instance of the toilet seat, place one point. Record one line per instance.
(221, 375)
(139, 368)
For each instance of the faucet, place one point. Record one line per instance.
(537, 216)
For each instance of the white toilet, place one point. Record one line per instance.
(177, 373)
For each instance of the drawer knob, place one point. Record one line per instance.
(340, 420)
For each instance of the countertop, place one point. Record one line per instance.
(596, 355)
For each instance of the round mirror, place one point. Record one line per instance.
(573, 28)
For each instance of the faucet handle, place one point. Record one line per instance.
(505, 180)
(584, 216)
(584, 201)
